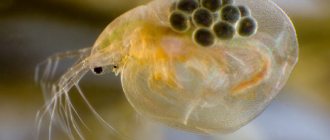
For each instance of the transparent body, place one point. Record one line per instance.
(166, 77)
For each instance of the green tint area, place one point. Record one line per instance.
(118, 34)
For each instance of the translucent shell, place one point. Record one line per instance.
(168, 78)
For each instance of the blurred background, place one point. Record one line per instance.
(31, 30)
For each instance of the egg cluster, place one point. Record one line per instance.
(211, 19)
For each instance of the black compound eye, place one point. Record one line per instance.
(179, 21)
(202, 17)
(204, 37)
(212, 5)
(224, 30)
(230, 13)
(187, 5)
(247, 26)
(244, 10)
(98, 70)
(225, 2)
